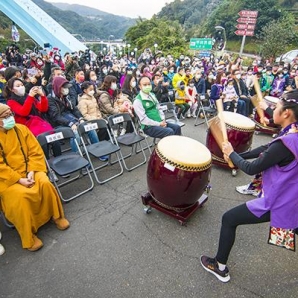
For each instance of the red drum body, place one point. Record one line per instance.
(240, 131)
(178, 172)
(269, 128)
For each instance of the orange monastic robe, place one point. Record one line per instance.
(26, 208)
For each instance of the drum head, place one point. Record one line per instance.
(271, 100)
(238, 120)
(184, 151)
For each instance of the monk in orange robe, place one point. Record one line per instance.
(27, 197)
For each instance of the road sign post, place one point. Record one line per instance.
(201, 44)
(246, 25)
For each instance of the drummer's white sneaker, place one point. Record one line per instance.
(211, 265)
(244, 189)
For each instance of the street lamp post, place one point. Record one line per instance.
(128, 46)
(111, 36)
(155, 47)
(220, 28)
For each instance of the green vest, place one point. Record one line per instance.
(150, 107)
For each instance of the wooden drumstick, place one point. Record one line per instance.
(219, 106)
(256, 101)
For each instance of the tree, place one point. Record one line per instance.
(278, 36)
(168, 35)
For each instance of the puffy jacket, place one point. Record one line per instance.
(88, 107)
(107, 104)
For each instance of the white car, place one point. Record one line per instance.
(287, 57)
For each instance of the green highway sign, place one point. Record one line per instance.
(200, 44)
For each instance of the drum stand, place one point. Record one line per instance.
(181, 216)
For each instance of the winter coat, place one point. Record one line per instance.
(88, 107)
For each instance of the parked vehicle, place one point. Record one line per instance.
(287, 57)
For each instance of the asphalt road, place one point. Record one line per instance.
(113, 249)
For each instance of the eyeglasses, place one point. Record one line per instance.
(7, 116)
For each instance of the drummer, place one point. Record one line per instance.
(148, 110)
(278, 204)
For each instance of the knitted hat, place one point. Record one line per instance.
(3, 109)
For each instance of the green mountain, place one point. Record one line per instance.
(80, 9)
(90, 23)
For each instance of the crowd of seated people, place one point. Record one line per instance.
(41, 92)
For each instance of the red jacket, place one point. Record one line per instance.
(23, 111)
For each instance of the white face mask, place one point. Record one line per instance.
(113, 86)
(64, 91)
(93, 78)
(138, 72)
(20, 91)
(91, 93)
(133, 84)
(238, 76)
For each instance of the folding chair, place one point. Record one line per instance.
(129, 139)
(170, 112)
(5, 221)
(205, 110)
(67, 163)
(102, 148)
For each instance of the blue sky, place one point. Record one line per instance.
(129, 8)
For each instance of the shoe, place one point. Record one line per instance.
(2, 250)
(211, 265)
(181, 117)
(37, 244)
(245, 190)
(61, 223)
(52, 176)
(104, 158)
(115, 132)
(123, 132)
(194, 115)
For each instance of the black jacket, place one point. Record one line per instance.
(62, 112)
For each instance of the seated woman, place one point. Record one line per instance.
(28, 198)
(62, 112)
(30, 111)
(107, 100)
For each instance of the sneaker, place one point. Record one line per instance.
(123, 132)
(181, 117)
(61, 223)
(211, 265)
(245, 190)
(37, 244)
(194, 115)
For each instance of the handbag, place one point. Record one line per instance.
(37, 125)
(282, 237)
